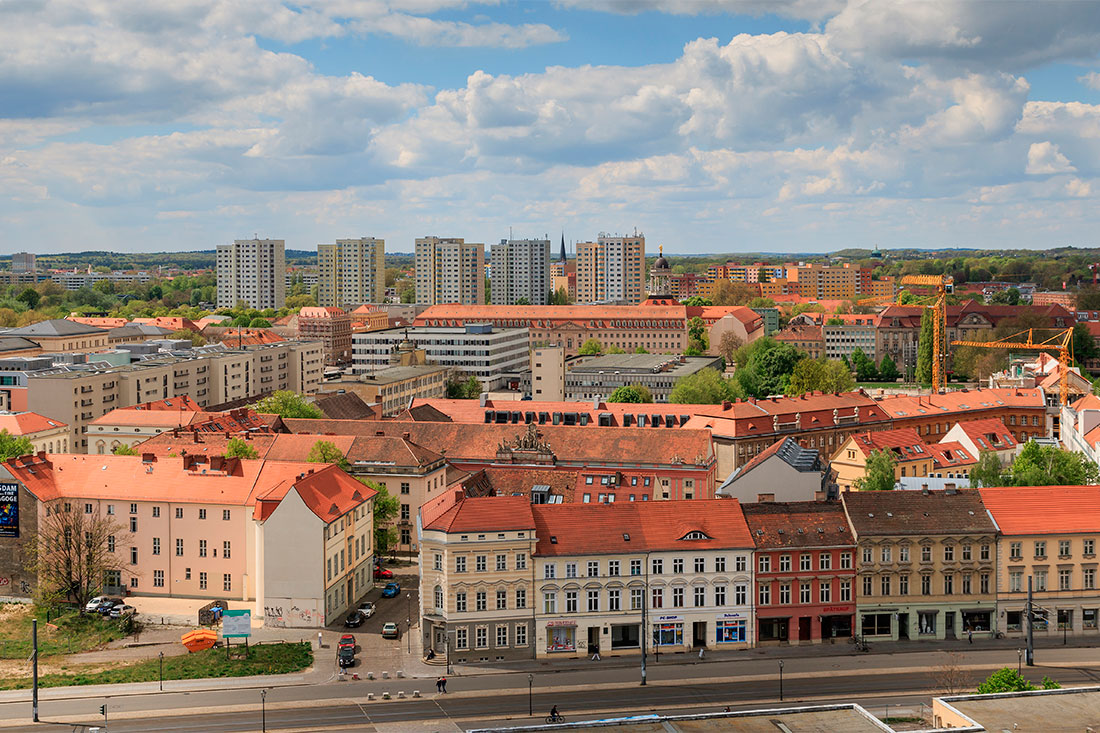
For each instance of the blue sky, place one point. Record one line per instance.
(710, 125)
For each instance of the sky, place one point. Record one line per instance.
(710, 126)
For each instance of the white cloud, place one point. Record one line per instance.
(1044, 159)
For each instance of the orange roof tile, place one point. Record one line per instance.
(798, 524)
(183, 402)
(988, 434)
(25, 423)
(950, 454)
(489, 514)
(150, 418)
(1088, 402)
(1044, 509)
(328, 492)
(904, 443)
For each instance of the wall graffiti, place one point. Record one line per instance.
(294, 616)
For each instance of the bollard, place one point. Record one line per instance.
(370, 675)
(400, 694)
(401, 673)
(385, 696)
(416, 693)
(385, 675)
(370, 695)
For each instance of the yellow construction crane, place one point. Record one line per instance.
(943, 284)
(1061, 342)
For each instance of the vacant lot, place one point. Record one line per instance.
(67, 632)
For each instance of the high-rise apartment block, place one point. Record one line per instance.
(521, 269)
(253, 271)
(611, 269)
(449, 270)
(23, 262)
(352, 272)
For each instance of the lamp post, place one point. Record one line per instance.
(162, 671)
(1019, 661)
(409, 620)
(263, 710)
(780, 680)
(530, 702)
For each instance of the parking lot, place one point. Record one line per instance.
(376, 653)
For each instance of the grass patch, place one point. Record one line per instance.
(257, 660)
(74, 632)
(903, 719)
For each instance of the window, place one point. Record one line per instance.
(804, 593)
(678, 566)
(549, 602)
(481, 635)
(87, 508)
(719, 564)
(570, 569)
(876, 624)
(948, 584)
(867, 555)
(480, 562)
(521, 561)
(926, 553)
(133, 524)
(437, 562)
(156, 512)
(966, 553)
(677, 597)
(784, 594)
(179, 512)
(1089, 547)
(867, 585)
(657, 599)
(593, 568)
(404, 487)
(1063, 548)
(885, 584)
(1015, 550)
(1015, 581)
(740, 594)
(405, 512)
(635, 567)
(731, 631)
(700, 565)
(202, 581)
(886, 553)
(133, 508)
(480, 601)
(202, 514)
(903, 585)
(460, 564)
(784, 563)
(110, 508)
(133, 556)
(1040, 549)
(593, 599)
(636, 599)
(741, 564)
(570, 601)
(903, 553)
(765, 564)
(699, 596)
(521, 634)
(845, 591)
(110, 543)
(460, 601)
(614, 599)
(719, 595)
(825, 561)
(825, 592)
(202, 548)
(657, 566)
(845, 561)
(502, 599)
(1065, 579)
(984, 552)
(765, 596)
(226, 549)
(502, 635)
(461, 638)
(966, 584)
(158, 578)
(502, 562)
(1088, 578)
(613, 568)
(227, 582)
(949, 553)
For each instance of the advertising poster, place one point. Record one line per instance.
(9, 510)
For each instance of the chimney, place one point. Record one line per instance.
(726, 404)
(380, 433)
(460, 494)
(924, 489)
(951, 489)
(405, 435)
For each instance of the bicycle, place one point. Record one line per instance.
(861, 643)
(558, 718)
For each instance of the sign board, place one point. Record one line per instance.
(9, 510)
(236, 624)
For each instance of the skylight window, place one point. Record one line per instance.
(695, 535)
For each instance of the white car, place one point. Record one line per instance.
(93, 604)
(367, 609)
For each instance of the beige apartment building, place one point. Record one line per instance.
(351, 272)
(1048, 534)
(394, 387)
(62, 336)
(449, 270)
(548, 373)
(611, 269)
(44, 433)
(926, 565)
(209, 378)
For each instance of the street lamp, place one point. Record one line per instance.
(263, 710)
(1019, 661)
(530, 702)
(162, 671)
(409, 620)
(780, 680)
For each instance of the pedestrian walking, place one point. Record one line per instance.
(701, 650)
(444, 683)
(970, 635)
(439, 684)
(318, 639)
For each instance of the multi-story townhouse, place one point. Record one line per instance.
(1048, 534)
(294, 538)
(926, 564)
(332, 327)
(805, 571)
(911, 455)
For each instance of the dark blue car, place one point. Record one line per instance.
(391, 590)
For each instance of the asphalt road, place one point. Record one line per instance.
(496, 709)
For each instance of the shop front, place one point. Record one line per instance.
(732, 628)
(836, 622)
(668, 631)
(561, 636)
(774, 630)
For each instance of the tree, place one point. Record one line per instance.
(240, 448)
(297, 302)
(728, 346)
(888, 370)
(523, 301)
(824, 375)
(1007, 679)
(704, 387)
(951, 677)
(879, 474)
(864, 366)
(728, 292)
(13, 446)
(196, 338)
(1084, 345)
(324, 451)
(29, 297)
(72, 555)
(631, 393)
(287, 404)
(835, 322)
(697, 300)
(468, 390)
(591, 347)
(1006, 297)
(697, 335)
(560, 297)
(259, 323)
(760, 302)
(1049, 465)
(615, 350)
(764, 367)
(640, 350)
(123, 450)
(924, 348)
(988, 471)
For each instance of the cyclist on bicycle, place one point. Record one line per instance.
(554, 713)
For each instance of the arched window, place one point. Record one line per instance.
(438, 593)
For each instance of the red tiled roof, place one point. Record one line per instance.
(1044, 509)
(886, 513)
(489, 514)
(151, 418)
(582, 529)
(172, 323)
(173, 403)
(1088, 402)
(328, 492)
(982, 433)
(960, 401)
(25, 423)
(325, 312)
(950, 454)
(519, 480)
(98, 322)
(904, 443)
(799, 333)
(798, 524)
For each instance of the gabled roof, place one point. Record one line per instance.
(183, 402)
(639, 526)
(54, 328)
(328, 492)
(346, 406)
(490, 514)
(798, 524)
(988, 434)
(915, 513)
(15, 343)
(1088, 402)
(25, 423)
(1021, 510)
(149, 418)
(521, 481)
(904, 444)
(951, 454)
(787, 450)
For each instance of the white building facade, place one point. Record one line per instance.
(253, 271)
(449, 270)
(351, 272)
(520, 269)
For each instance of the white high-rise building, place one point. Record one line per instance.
(351, 272)
(449, 270)
(611, 269)
(253, 271)
(520, 269)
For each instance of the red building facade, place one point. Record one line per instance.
(805, 572)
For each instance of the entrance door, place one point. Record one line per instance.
(804, 628)
(699, 633)
(903, 626)
(949, 625)
(439, 640)
(593, 639)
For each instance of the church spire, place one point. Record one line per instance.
(563, 246)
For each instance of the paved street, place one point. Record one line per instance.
(490, 699)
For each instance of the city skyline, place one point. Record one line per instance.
(710, 126)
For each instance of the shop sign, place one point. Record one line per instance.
(837, 609)
(729, 615)
(663, 619)
(561, 622)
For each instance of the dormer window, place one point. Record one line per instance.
(695, 535)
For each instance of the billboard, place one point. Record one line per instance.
(9, 510)
(236, 624)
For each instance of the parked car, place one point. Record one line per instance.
(347, 640)
(345, 656)
(382, 574)
(123, 610)
(93, 604)
(104, 609)
(354, 619)
(367, 609)
(389, 630)
(391, 590)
